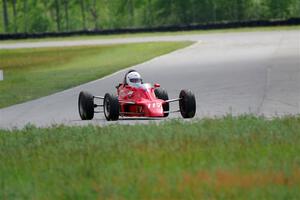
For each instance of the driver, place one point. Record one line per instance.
(134, 79)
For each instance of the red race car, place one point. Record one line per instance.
(135, 99)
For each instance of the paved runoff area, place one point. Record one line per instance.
(230, 73)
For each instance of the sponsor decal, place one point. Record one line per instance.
(154, 105)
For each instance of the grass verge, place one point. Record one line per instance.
(32, 73)
(230, 158)
(229, 30)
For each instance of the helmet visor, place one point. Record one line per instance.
(135, 80)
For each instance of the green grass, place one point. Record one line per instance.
(230, 158)
(32, 73)
(229, 30)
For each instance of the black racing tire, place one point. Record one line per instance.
(86, 105)
(163, 94)
(187, 104)
(111, 107)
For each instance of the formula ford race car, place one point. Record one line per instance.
(135, 99)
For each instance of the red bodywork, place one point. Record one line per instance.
(139, 102)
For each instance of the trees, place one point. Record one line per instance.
(278, 8)
(14, 5)
(148, 14)
(66, 8)
(57, 14)
(94, 11)
(68, 15)
(5, 16)
(82, 9)
(25, 18)
(295, 8)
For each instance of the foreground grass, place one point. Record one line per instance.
(129, 35)
(231, 158)
(32, 73)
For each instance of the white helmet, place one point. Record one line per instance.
(134, 79)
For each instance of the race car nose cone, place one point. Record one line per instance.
(155, 109)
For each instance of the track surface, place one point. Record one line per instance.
(237, 73)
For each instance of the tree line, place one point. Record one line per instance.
(33, 16)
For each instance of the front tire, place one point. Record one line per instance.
(86, 105)
(111, 107)
(163, 94)
(187, 104)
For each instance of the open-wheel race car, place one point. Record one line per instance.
(135, 99)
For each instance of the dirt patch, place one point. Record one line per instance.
(225, 179)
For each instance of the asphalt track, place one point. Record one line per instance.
(230, 73)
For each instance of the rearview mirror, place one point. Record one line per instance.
(156, 85)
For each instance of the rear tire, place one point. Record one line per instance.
(163, 94)
(86, 105)
(111, 107)
(187, 104)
